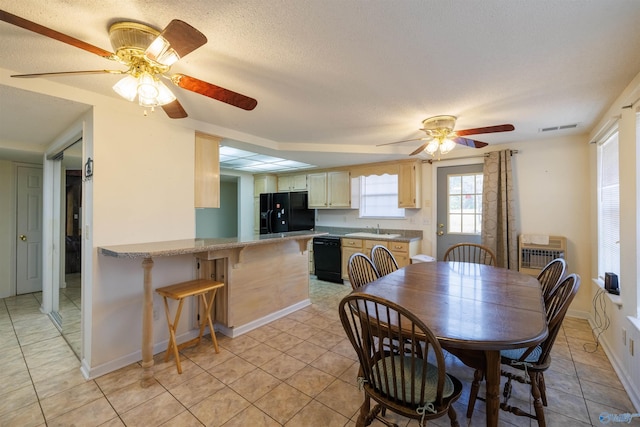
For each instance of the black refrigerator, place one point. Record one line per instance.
(280, 212)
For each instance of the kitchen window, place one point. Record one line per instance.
(379, 197)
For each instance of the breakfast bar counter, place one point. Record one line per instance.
(266, 276)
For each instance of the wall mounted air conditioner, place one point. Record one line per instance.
(536, 251)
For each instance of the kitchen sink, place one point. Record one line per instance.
(373, 235)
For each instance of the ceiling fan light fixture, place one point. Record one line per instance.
(165, 96)
(147, 86)
(447, 145)
(161, 51)
(433, 146)
(127, 87)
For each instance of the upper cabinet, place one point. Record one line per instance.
(329, 190)
(207, 171)
(264, 184)
(292, 182)
(409, 178)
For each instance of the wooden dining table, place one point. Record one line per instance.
(474, 310)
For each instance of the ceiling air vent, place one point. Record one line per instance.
(554, 128)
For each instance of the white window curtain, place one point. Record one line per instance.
(379, 196)
(608, 207)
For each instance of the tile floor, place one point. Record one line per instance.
(296, 371)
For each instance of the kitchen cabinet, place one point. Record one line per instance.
(409, 178)
(207, 171)
(264, 183)
(292, 182)
(402, 250)
(349, 247)
(329, 190)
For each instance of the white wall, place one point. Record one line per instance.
(623, 317)
(143, 191)
(7, 227)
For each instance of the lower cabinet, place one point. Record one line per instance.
(402, 251)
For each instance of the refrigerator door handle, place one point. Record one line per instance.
(269, 218)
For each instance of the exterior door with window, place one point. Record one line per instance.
(459, 212)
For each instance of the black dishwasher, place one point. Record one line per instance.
(327, 257)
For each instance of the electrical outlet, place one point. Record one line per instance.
(624, 336)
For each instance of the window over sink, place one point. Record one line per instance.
(379, 196)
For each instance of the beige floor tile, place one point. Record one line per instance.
(332, 363)
(239, 344)
(598, 410)
(284, 324)
(219, 408)
(283, 402)
(316, 413)
(196, 389)
(341, 397)
(60, 382)
(27, 416)
(53, 368)
(603, 376)
(283, 367)
(255, 384)
(153, 412)
(606, 395)
(261, 354)
(17, 398)
(306, 352)
(170, 377)
(232, 369)
(284, 341)
(14, 380)
(94, 413)
(118, 379)
(184, 419)
(264, 333)
(70, 399)
(253, 417)
(133, 395)
(310, 381)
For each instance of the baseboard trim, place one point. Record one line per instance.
(236, 331)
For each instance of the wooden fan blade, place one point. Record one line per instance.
(67, 73)
(420, 149)
(406, 140)
(174, 110)
(48, 32)
(182, 37)
(469, 142)
(213, 91)
(488, 129)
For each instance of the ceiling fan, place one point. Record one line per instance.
(441, 136)
(149, 55)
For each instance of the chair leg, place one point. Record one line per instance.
(537, 401)
(453, 416)
(473, 393)
(543, 388)
(364, 412)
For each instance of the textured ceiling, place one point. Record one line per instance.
(350, 73)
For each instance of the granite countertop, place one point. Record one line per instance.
(191, 246)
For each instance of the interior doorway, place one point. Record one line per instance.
(29, 229)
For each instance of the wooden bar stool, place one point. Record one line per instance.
(179, 292)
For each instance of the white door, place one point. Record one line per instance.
(459, 197)
(29, 230)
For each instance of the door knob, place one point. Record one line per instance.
(440, 233)
(23, 237)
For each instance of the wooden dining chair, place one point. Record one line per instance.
(383, 260)
(533, 361)
(470, 252)
(413, 384)
(550, 277)
(361, 270)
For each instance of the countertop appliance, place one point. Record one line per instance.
(281, 212)
(327, 258)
